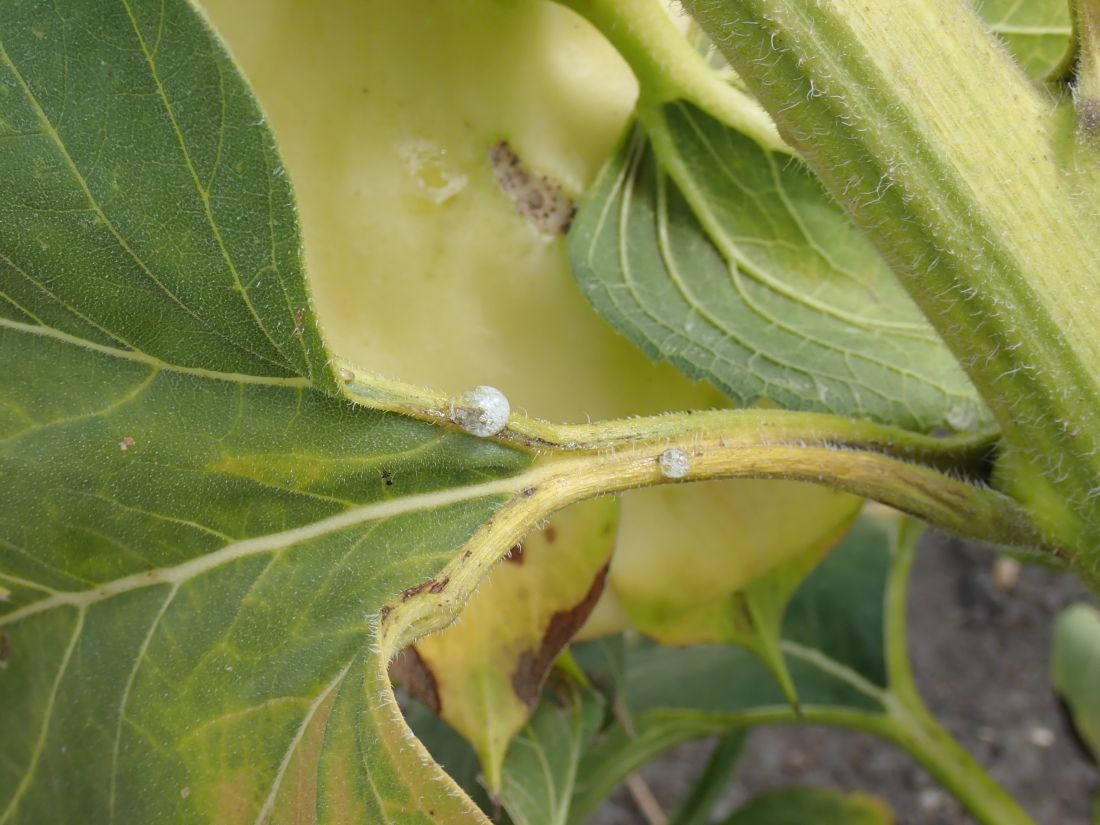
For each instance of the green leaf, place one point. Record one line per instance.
(663, 696)
(798, 806)
(1036, 32)
(847, 658)
(1076, 669)
(198, 538)
(542, 762)
(744, 272)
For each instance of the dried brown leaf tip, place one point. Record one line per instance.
(533, 665)
(538, 198)
(410, 671)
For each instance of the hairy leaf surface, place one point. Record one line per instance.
(196, 535)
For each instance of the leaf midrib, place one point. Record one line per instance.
(273, 542)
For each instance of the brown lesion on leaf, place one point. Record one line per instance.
(538, 198)
(387, 478)
(533, 665)
(440, 585)
(299, 322)
(409, 670)
(5, 650)
(549, 533)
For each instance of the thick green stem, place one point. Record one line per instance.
(969, 181)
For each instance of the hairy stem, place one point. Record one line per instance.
(969, 181)
(937, 479)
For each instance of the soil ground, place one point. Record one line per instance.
(981, 658)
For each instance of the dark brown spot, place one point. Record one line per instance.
(550, 533)
(409, 670)
(538, 198)
(515, 555)
(384, 612)
(409, 592)
(387, 478)
(467, 554)
(533, 665)
(440, 586)
(528, 492)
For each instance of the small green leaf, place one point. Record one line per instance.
(758, 611)
(745, 273)
(800, 806)
(1076, 669)
(541, 767)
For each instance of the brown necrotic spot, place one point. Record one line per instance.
(550, 533)
(538, 198)
(387, 478)
(533, 665)
(409, 592)
(439, 586)
(410, 671)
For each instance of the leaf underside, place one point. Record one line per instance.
(196, 535)
(749, 276)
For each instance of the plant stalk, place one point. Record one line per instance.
(971, 183)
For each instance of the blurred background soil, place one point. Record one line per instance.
(981, 656)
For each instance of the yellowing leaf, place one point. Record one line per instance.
(487, 669)
(678, 586)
